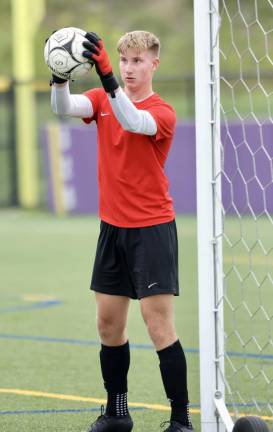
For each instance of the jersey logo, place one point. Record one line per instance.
(104, 114)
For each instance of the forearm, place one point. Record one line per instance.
(131, 118)
(66, 105)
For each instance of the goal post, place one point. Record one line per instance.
(209, 218)
(234, 164)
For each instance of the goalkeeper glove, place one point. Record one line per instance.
(57, 80)
(96, 52)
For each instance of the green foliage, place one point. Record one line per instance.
(171, 20)
(5, 38)
(111, 19)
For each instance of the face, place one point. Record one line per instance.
(137, 68)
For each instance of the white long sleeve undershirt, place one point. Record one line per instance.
(65, 104)
(131, 119)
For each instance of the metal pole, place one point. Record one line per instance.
(12, 135)
(23, 30)
(208, 168)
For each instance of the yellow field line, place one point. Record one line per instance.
(61, 396)
(19, 392)
(37, 298)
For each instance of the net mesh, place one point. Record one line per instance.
(246, 105)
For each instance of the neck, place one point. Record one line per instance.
(136, 95)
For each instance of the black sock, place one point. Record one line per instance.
(173, 368)
(115, 362)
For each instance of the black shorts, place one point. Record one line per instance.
(136, 262)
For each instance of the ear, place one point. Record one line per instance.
(155, 63)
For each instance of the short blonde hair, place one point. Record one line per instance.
(140, 40)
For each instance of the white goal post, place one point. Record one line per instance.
(207, 114)
(234, 164)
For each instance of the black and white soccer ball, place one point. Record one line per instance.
(63, 53)
(250, 424)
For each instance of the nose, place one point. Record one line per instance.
(128, 68)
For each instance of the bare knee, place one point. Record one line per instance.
(158, 316)
(111, 331)
(111, 318)
(157, 332)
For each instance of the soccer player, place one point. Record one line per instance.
(137, 255)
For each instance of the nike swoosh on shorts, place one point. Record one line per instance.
(150, 286)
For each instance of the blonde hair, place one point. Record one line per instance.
(139, 40)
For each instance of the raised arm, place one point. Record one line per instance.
(65, 104)
(130, 118)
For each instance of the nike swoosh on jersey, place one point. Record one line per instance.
(104, 114)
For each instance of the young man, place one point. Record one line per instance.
(137, 256)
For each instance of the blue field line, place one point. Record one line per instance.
(60, 411)
(250, 355)
(49, 339)
(132, 345)
(37, 305)
(77, 341)
(91, 410)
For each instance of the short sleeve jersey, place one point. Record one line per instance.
(133, 188)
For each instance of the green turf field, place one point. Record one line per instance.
(50, 375)
(44, 349)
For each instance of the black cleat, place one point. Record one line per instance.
(176, 427)
(105, 423)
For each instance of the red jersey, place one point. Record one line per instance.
(133, 189)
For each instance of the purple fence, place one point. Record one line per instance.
(70, 156)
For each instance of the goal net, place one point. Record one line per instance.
(234, 76)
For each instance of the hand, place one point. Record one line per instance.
(97, 53)
(57, 80)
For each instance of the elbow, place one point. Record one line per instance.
(132, 127)
(141, 128)
(58, 112)
(54, 109)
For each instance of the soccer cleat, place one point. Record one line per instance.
(105, 423)
(175, 427)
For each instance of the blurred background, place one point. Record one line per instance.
(48, 167)
(171, 20)
(24, 78)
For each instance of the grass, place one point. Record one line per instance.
(45, 349)
(46, 257)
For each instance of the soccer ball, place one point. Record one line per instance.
(63, 54)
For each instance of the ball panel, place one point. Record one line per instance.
(80, 70)
(63, 53)
(77, 48)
